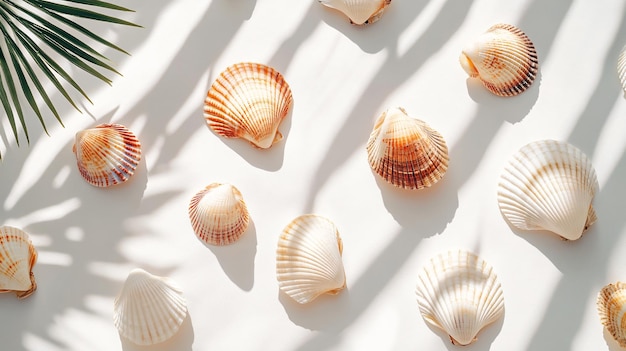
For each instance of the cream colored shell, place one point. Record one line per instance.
(149, 309)
(621, 68)
(248, 101)
(218, 214)
(359, 11)
(17, 259)
(459, 292)
(405, 151)
(107, 154)
(611, 305)
(549, 185)
(308, 259)
(503, 58)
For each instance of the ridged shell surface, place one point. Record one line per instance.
(621, 68)
(218, 214)
(503, 58)
(308, 259)
(107, 154)
(17, 258)
(149, 309)
(405, 151)
(549, 185)
(248, 101)
(359, 11)
(459, 292)
(611, 305)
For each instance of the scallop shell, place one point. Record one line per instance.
(17, 258)
(107, 154)
(249, 101)
(459, 293)
(218, 214)
(503, 58)
(405, 151)
(149, 309)
(612, 310)
(308, 259)
(359, 11)
(549, 185)
(621, 68)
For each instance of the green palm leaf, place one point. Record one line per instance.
(32, 31)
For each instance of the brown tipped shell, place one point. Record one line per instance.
(359, 11)
(218, 214)
(17, 259)
(107, 154)
(503, 58)
(406, 152)
(249, 101)
(612, 310)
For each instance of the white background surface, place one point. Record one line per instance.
(342, 78)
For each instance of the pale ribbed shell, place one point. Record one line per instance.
(17, 258)
(359, 11)
(107, 154)
(249, 101)
(459, 293)
(621, 68)
(149, 309)
(308, 259)
(503, 58)
(218, 214)
(612, 310)
(405, 151)
(549, 185)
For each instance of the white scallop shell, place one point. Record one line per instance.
(359, 11)
(107, 154)
(549, 185)
(459, 293)
(621, 68)
(149, 309)
(17, 258)
(218, 214)
(611, 304)
(308, 259)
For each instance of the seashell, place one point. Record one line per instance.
(149, 309)
(549, 185)
(503, 58)
(621, 68)
(17, 259)
(107, 154)
(218, 214)
(249, 101)
(359, 11)
(405, 151)
(611, 304)
(308, 259)
(459, 293)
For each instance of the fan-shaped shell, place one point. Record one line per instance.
(149, 309)
(459, 293)
(17, 259)
(107, 154)
(503, 58)
(405, 151)
(249, 101)
(218, 214)
(549, 185)
(611, 304)
(621, 68)
(359, 11)
(308, 259)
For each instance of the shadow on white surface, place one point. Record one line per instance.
(181, 341)
(320, 314)
(237, 259)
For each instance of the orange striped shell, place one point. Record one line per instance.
(17, 259)
(248, 101)
(611, 305)
(107, 154)
(503, 58)
(406, 152)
